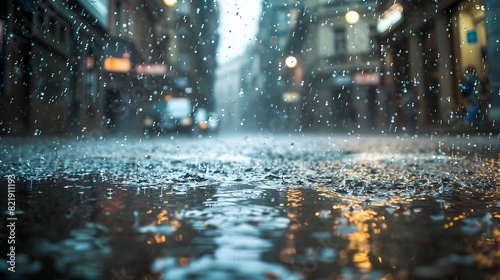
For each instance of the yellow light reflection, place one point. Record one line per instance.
(183, 261)
(176, 223)
(162, 217)
(362, 261)
(157, 239)
(294, 204)
(359, 242)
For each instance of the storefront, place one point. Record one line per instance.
(51, 76)
(432, 54)
(492, 11)
(470, 48)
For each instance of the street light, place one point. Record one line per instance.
(352, 17)
(291, 61)
(170, 3)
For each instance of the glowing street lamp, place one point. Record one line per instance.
(170, 3)
(352, 17)
(291, 61)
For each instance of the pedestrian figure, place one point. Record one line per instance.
(471, 89)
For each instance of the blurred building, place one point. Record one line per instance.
(334, 82)
(46, 56)
(134, 67)
(191, 27)
(93, 66)
(337, 71)
(263, 86)
(492, 14)
(430, 44)
(354, 75)
(230, 95)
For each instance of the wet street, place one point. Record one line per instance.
(255, 206)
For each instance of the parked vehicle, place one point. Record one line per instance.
(213, 122)
(206, 122)
(201, 120)
(174, 114)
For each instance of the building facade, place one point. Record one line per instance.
(43, 58)
(492, 14)
(92, 68)
(334, 82)
(357, 76)
(334, 85)
(263, 85)
(230, 96)
(430, 45)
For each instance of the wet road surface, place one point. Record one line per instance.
(253, 207)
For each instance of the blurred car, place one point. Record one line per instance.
(174, 114)
(206, 122)
(200, 119)
(213, 122)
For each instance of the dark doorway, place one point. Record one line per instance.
(112, 106)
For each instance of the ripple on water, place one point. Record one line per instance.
(209, 268)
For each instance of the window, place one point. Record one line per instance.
(340, 41)
(184, 61)
(373, 44)
(183, 8)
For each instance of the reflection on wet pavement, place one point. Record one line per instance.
(256, 213)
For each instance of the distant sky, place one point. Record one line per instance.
(238, 25)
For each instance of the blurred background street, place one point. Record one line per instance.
(113, 66)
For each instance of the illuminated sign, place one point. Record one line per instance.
(117, 64)
(390, 18)
(367, 78)
(151, 69)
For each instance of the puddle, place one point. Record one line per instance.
(259, 213)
